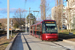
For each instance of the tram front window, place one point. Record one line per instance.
(49, 28)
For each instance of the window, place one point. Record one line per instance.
(38, 29)
(34, 30)
(43, 28)
(49, 27)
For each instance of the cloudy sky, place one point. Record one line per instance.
(22, 4)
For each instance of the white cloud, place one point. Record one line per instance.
(12, 10)
(4, 10)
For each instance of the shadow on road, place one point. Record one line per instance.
(65, 36)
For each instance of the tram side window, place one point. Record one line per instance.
(43, 28)
(34, 30)
(39, 29)
(31, 29)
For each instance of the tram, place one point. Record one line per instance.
(45, 30)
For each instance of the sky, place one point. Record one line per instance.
(23, 4)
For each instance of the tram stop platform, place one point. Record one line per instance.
(24, 41)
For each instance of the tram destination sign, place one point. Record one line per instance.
(49, 22)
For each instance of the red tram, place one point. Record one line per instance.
(45, 30)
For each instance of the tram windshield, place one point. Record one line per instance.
(49, 27)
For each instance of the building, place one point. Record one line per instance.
(54, 16)
(71, 7)
(64, 18)
(53, 13)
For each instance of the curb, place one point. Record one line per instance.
(71, 42)
(11, 43)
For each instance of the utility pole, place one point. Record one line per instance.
(7, 19)
(26, 25)
(29, 21)
(25, 19)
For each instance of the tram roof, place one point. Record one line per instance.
(41, 22)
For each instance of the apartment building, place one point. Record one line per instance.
(71, 5)
(63, 18)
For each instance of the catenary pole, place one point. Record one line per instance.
(29, 20)
(7, 19)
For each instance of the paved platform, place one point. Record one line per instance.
(28, 42)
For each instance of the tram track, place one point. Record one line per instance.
(61, 46)
(57, 45)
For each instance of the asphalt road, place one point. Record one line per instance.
(28, 42)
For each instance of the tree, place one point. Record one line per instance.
(45, 9)
(59, 12)
(0, 25)
(32, 18)
(16, 25)
(20, 16)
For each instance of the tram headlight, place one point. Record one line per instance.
(46, 36)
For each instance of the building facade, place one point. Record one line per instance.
(63, 17)
(71, 7)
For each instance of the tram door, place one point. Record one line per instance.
(33, 30)
(39, 30)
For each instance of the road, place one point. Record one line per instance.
(28, 42)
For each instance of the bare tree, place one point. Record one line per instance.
(45, 9)
(2, 26)
(19, 16)
(59, 12)
(48, 9)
